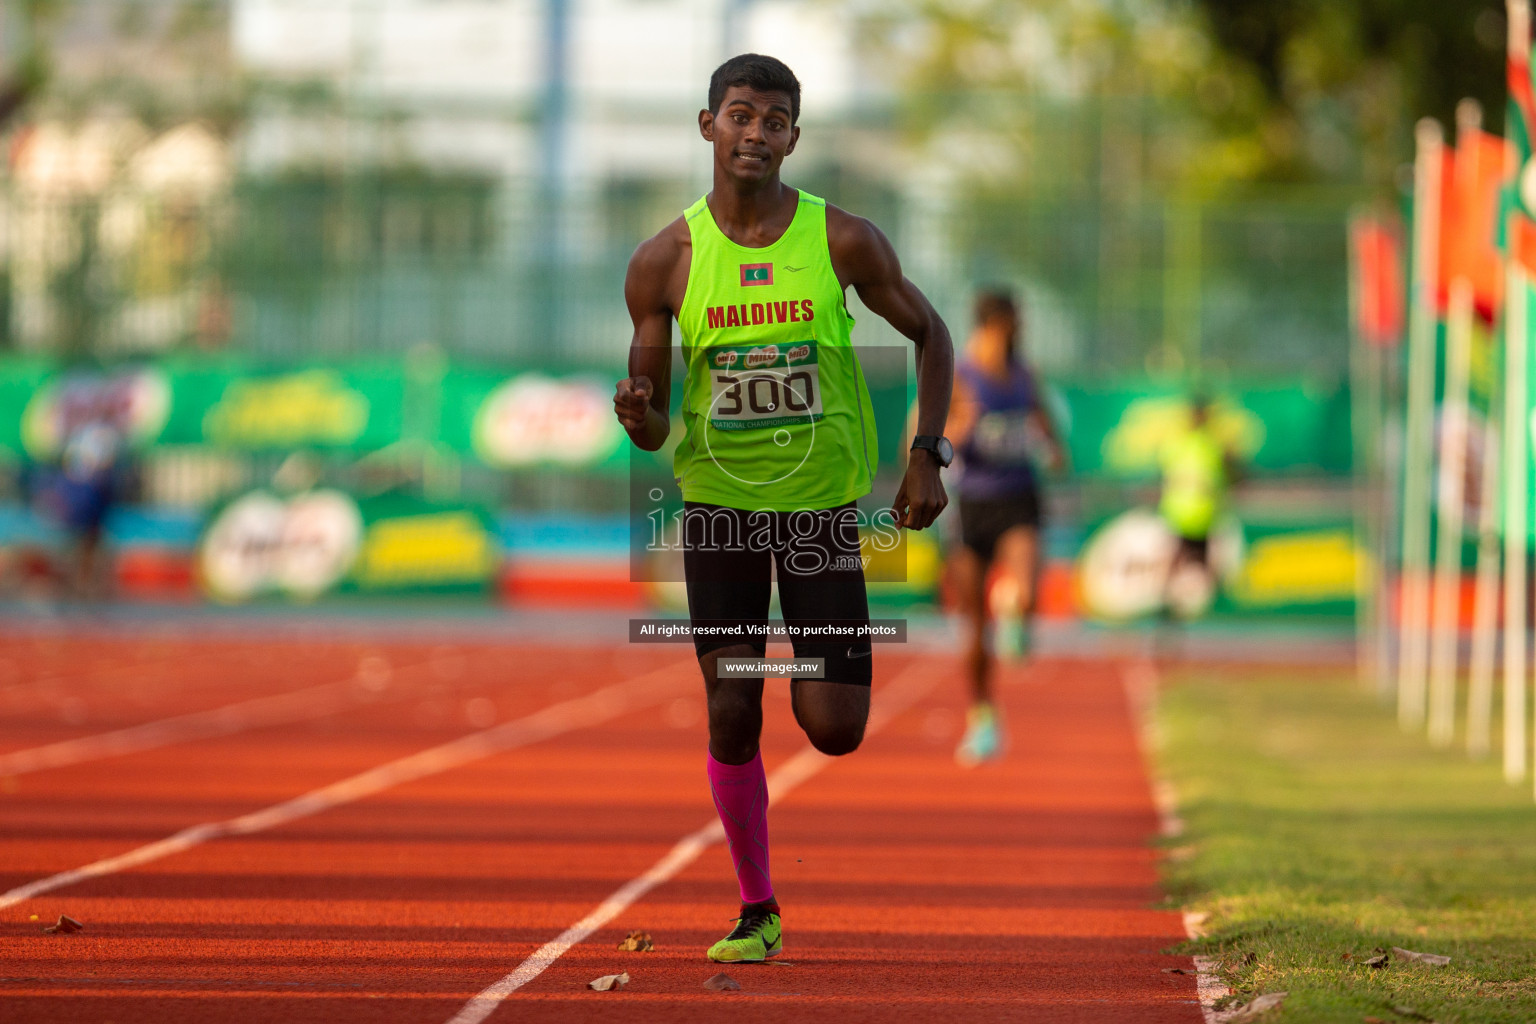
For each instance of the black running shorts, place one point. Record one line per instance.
(729, 560)
(983, 521)
(1194, 549)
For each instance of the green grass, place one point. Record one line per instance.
(1316, 829)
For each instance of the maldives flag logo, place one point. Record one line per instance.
(756, 273)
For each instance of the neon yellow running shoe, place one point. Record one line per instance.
(757, 936)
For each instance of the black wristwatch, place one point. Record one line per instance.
(940, 446)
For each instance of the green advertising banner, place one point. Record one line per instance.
(19, 382)
(1128, 570)
(318, 542)
(506, 418)
(356, 408)
(1291, 427)
(527, 419)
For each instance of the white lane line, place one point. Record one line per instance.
(894, 698)
(311, 702)
(593, 709)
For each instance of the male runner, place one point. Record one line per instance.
(999, 426)
(779, 439)
(1197, 467)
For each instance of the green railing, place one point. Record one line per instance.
(1123, 275)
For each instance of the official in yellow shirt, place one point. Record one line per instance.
(1198, 470)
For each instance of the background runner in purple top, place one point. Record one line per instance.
(995, 458)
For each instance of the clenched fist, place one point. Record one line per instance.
(632, 401)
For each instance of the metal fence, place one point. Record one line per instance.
(1123, 274)
(184, 246)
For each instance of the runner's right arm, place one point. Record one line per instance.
(643, 399)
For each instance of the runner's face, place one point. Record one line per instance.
(751, 133)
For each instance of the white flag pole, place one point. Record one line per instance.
(1517, 482)
(1516, 469)
(1455, 419)
(1485, 602)
(1451, 502)
(1413, 660)
(1365, 417)
(1485, 595)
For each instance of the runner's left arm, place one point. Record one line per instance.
(864, 258)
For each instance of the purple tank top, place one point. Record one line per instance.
(995, 459)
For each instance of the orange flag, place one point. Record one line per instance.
(1376, 258)
(1469, 228)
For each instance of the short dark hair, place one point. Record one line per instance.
(755, 71)
(994, 302)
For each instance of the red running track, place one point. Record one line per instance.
(912, 890)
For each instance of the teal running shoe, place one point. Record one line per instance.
(984, 739)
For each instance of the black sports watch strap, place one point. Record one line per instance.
(939, 446)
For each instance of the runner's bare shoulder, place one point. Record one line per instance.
(858, 247)
(658, 271)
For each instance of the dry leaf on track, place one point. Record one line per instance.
(64, 926)
(1177, 970)
(1432, 959)
(1258, 1007)
(637, 942)
(609, 982)
(723, 983)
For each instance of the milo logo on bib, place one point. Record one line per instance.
(755, 387)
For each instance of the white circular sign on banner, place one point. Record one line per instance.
(1123, 570)
(533, 418)
(321, 538)
(261, 543)
(136, 403)
(1126, 569)
(240, 549)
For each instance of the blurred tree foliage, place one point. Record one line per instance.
(162, 60)
(24, 52)
(1322, 91)
(1385, 63)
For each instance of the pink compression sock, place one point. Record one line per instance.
(741, 798)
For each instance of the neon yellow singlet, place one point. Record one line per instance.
(1194, 482)
(775, 406)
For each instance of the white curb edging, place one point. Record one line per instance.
(1141, 681)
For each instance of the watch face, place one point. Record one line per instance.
(946, 451)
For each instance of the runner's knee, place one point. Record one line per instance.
(735, 707)
(832, 714)
(835, 740)
(735, 726)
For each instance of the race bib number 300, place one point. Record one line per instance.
(752, 388)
